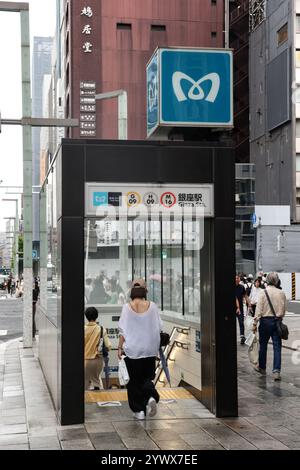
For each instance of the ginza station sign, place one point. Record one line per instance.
(132, 200)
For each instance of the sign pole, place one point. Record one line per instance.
(27, 181)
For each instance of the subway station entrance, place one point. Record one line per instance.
(162, 211)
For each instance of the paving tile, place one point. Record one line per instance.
(130, 429)
(72, 434)
(17, 419)
(100, 446)
(46, 443)
(10, 439)
(13, 411)
(78, 444)
(225, 436)
(15, 447)
(42, 431)
(105, 439)
(163, 435)
(99, 428)
(177, 444)
(142, 444)
(201, 438)
(154, 424)
(13, 429)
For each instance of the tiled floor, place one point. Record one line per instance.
(269, 414)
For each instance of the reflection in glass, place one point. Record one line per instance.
(52, 259)
(172, 265)
(138, 247)
(153, 261)
(191, 247)
(108, 267)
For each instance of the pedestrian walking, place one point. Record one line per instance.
(253, 297)
(241, 296)
(140, 326)
(93, 352)
(267, 324)
(35, 296)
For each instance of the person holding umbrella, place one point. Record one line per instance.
(140, 326)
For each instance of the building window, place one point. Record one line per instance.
(214, 34)
(213, 2)
(297, 60)
(297, 23)
(158, 27)
(282, 34)
(298, 162)
(124, 26)
(298, 128)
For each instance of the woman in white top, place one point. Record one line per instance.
(140, 326)
(254, 293)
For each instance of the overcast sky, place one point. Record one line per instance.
(42, 23)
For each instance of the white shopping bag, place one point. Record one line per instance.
(123, 372)
(254, 350)
(250, 339)
(248, 323)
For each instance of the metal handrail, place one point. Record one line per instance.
(176, 343)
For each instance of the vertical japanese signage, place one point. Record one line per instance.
(87, 87)
(87, 109)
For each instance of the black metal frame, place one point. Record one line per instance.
(83, 161)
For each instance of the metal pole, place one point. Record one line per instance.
(27, 182)
(122, 116)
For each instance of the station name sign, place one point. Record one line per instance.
(132, 200)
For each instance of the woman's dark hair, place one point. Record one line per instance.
(138, 292)
(91, 314)
(258, 280)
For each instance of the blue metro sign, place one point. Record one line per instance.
(190, 87)
(196, 87)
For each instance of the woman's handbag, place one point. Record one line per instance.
(123, 372)
(102, 348)
(282, 329)
(164, 339)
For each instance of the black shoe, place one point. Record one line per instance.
(96, 388)
(243, 339)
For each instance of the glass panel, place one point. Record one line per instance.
(52, 267)
(297, 58)
(139, 241)
(191, 246)
(153, 261)
(108, 267)
(297, 23)
(298, 162)
(297, 128)
(172, 265)
(282, 34)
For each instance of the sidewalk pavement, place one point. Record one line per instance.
(268, 413)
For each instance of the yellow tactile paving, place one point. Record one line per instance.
(121, 395)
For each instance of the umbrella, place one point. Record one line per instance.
(106, 371)
(165, 365)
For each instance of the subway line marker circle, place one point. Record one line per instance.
(168, 199)
(133, 199)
